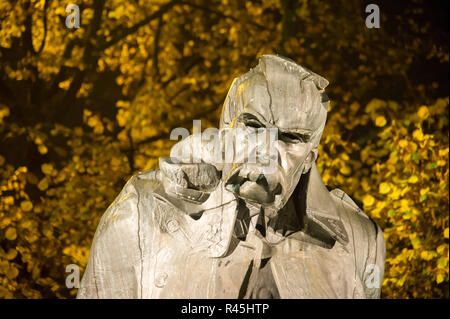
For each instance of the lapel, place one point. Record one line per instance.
(321, 208)
(211, 224)
(304, 267)
(207, 227)
(302, 270)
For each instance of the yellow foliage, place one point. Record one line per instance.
(11, 233)
(423, 112)
(407, 195)
(380, 121)
(26, 205)
(368, 200)
(384, 188)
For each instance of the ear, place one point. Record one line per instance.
(310, 159)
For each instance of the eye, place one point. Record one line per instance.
(294, 138)
(253, 123)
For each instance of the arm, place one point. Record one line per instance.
(110, 272)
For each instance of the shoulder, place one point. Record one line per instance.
(353, 215)
(120, 228)
(139, 187)
(119, 242)
(366, 237)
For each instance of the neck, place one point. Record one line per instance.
(291, 218)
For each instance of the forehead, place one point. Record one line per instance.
(283, 100)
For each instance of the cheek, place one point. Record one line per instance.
(294, 155)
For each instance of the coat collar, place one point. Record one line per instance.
(318, 221)
(321, 208)
(321, 211)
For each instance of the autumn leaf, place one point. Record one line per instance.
(11, 233)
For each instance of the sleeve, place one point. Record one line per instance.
(115, 250)
(374, 268)
(88, 286)
(369, 248)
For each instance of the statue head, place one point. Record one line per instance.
(280, 95)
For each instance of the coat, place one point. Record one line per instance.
(146, 246)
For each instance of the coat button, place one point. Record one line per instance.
(161, 280)
(172, 225)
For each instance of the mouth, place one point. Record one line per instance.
(253, 186)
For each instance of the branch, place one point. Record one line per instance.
(45, 28)
(6, 94)
(178, 124)
(220, 14)
(27, 38)
(130, 153)
(156, 48)
(88, 58)
(86, 43)
(121, 34)
(62, 71)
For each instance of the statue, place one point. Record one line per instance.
(205, 227)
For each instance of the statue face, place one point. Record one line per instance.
(278, 95)
(292, 150)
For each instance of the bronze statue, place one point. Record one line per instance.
(205, 227)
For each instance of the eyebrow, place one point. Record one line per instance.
(302, 136)
(246, 117)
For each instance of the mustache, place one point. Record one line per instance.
(267, 183)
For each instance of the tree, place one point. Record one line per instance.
(83, 109)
